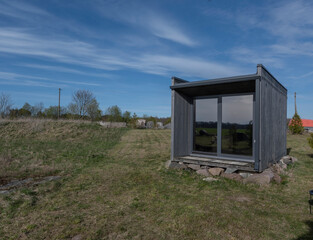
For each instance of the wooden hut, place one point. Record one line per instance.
(237, 122)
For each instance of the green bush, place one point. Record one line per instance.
(310, 140)
(295, 125)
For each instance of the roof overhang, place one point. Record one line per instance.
(208, 82)
(231, 85)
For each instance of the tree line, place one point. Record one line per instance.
(84, 105)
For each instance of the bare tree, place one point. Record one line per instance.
(83, 100)
(5, 104)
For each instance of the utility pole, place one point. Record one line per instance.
(296, 103)
(59, 103)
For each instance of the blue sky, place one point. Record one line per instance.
(125, 52)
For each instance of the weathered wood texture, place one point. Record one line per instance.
(182, 120)
(273, 115)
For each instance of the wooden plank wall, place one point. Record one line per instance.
(273, 120)
(181, 129)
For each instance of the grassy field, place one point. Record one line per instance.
(114, 186)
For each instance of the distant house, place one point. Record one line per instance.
(307, 124)
(141, 123)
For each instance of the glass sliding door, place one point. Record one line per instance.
(205, 127)
(223, 125)
(237, 125)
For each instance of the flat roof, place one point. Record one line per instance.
(181, 83)
(214, 81)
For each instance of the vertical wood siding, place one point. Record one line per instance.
(182, 119)
(273, 120)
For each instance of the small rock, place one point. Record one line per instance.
(277, 178)
(277, 168)
(77, 237)
(167, 164)
(286, 159)
(245, 174)
(293, 159)
(47, 179)
(269, 173)
(232, 176)
(260, 179)
(194, 167)
(176, 165)
(4, 192)
(203, 172)
(282, 165)
(231, 170)
(216, 171)
(204, 167)
(16, 183)
(210, 179)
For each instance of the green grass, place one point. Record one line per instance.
(114, 186)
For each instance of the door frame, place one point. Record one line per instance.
(219, 153)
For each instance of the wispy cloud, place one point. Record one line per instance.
(261, 54)
(286, 20)
(16, 41)
(66, 70)
(164, 28)
(10, 78)
(20, 9)
(188, 66)
(154, 22)
(285, 30)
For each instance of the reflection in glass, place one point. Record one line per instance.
(206, 125)
(237, 125)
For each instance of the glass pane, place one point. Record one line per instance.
(206, 125)
(237, 125)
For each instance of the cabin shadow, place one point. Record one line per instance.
(288, 151)
(308, 235)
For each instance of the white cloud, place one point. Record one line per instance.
(10, 78)
(20, 9)
(263, 55)
(154, 22)
(66, 70)
(16, 41)
(188, 66)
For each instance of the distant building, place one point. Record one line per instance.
(141, 123)
(307, 124)
(160, 125)
(150, 125)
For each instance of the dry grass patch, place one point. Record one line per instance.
(117, 190)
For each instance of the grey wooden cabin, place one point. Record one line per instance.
(229, 122)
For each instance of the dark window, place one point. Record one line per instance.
(224, 125)
(205, 139)
(237, 124)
